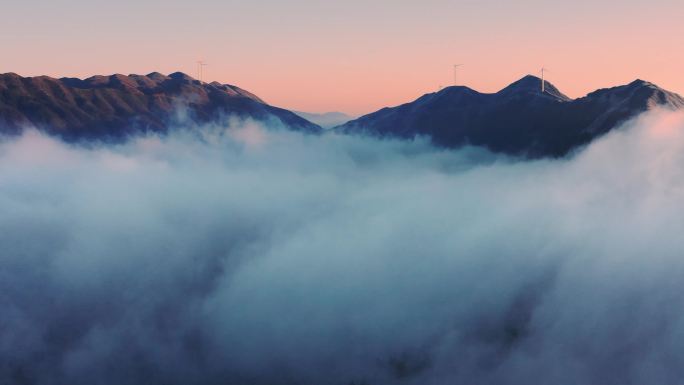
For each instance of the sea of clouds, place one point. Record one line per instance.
(247, 255)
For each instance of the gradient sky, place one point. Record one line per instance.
(353, 56)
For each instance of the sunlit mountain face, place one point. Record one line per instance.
(115, 107)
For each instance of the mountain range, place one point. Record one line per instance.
(521, 119)
(116, 106)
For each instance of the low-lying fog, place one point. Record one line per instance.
(249, 255)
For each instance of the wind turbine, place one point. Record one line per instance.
(543, 85)
(200, 69)
(456, 73)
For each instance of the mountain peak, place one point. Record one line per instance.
(13, 75)
(641, 90)
(531, 84)
(455, 89)
(526, 83)
(156, 76)
(638, 83)
(181, 76)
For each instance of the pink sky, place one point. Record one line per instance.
(353, 56)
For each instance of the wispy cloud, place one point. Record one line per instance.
(269, 257)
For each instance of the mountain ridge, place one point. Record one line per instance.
(116, 106)
(519, 119)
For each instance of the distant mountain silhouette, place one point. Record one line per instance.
(327, 119)
(518, 120)
(113, 107)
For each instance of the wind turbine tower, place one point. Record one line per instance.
(200, 69)
(543, 86)
(456, 73)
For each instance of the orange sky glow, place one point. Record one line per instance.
(353, 56)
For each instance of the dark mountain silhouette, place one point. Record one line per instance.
(518, 120)
(113, 107)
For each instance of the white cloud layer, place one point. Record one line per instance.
(249, 256)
